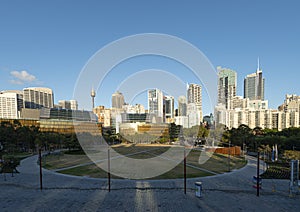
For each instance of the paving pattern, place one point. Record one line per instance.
(231, 191)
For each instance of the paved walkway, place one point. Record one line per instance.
(230, 191)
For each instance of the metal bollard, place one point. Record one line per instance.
(198, 189)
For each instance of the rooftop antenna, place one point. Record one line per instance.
(258, 68)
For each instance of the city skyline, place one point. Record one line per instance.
(117, 97)
(40, 49)
(157, 105)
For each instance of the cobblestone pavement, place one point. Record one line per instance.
(230, 191)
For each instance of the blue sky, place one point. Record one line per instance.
(47, 43)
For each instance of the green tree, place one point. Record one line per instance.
(241, 136)
(8, 137)
(174, 131)
(23, 138)
(202, 132)
(270, 132)
(71, 142)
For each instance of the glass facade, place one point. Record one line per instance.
(60, 126)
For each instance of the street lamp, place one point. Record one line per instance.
(229, 156)
(1, 148)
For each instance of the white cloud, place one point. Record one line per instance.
(22, 77)
(17, 82)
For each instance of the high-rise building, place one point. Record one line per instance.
(9, 105)
(239, 102)
(104, 115)
(294, 119)
(194, 115)
(182, 106)
(291, 103)
(194, 97)
(182, 118)
(35, 98)
(169, 108)
(227, 84)
(74, 104)
(117, 100)
(254, 85)
(291, 106)
(155, 102)
(64, 104)
(68, 104)
(20, 100)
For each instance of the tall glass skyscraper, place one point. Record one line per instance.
(169, 107)
(254, 85)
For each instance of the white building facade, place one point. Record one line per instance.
(36, 98)
(194, 104)
(9, 106)
(156, 104)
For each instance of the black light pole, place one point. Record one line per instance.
(243, 146)
(108, 168)
(229, 156)
(184, 171)
(40, 163)
(257, 175)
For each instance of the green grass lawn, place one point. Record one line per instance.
(217, 163)
(64, 160)
(18, 155)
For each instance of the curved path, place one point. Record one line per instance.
(230, 191)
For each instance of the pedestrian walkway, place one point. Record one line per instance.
(229, 191)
